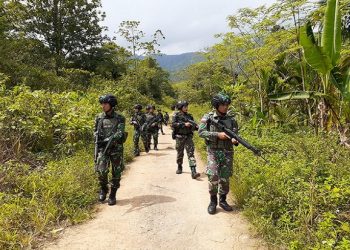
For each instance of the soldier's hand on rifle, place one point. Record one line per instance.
(234, 141)
(187, 124)
(223, 136)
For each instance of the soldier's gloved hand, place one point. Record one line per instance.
(187, 124)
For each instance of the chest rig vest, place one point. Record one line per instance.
(229, 122)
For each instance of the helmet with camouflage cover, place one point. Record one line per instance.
(108, 98)
(220, 99)
(138, 106)
(181, 104)
(150, 107)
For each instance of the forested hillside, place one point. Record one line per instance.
(285, 66)
(173, 63)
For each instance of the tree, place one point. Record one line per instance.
(131, 32)
(109, 60)
(67, 27)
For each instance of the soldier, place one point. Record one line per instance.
(173, 108)
(109, 125)
(183, 126)
(166, 118)
(220, 151)
(137, 120)
(151, 127)
(161, 120)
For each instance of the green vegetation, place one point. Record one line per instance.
(54, 64)
(286, 68)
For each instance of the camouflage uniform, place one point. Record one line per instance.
(151, 131)
(166, 119)
(184, 138)
(172, 117)
(106, 126)
(220, 152)
(138, 119)
(161, 121)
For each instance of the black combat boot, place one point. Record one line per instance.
(179, 169)
(111, 199)
(224, 204)
(213, 203)
(155, 147)
(194, 173)
(103, 193)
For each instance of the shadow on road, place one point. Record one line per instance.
(143, 201)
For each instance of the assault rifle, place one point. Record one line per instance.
(146, 125)
(96, 148)
(134, 119)
(108, 140)
(193, 124)
(232, 135)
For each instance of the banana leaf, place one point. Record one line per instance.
(314, 54)
(331, 35)
(295, 95)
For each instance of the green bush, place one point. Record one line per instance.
(46, 174)
(300, 199)
(35, 201)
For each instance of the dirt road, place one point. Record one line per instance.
(157, 209)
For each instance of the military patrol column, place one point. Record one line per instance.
(109, 138)
(220, 151)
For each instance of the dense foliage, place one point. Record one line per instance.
(286, 67)
(54, 64)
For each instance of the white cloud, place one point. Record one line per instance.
(188, 25)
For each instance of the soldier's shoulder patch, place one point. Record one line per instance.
(205, 118)
(100, 116)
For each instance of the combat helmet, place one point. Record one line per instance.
(108, 98)
(181, 104)
(220, 98)
(150, 106)
(138, 106)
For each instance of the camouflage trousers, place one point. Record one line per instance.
(136, 139)
(114, 158)
(219, 171)
(182, 143)
(151, 134)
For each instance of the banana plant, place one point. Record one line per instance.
(324, 58)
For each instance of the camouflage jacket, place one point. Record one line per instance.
(149, 123)
(172, 117)
(106, 126)
(138, 119)
(178, 124)
(209, 131)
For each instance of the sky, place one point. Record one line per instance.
(188, 25)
